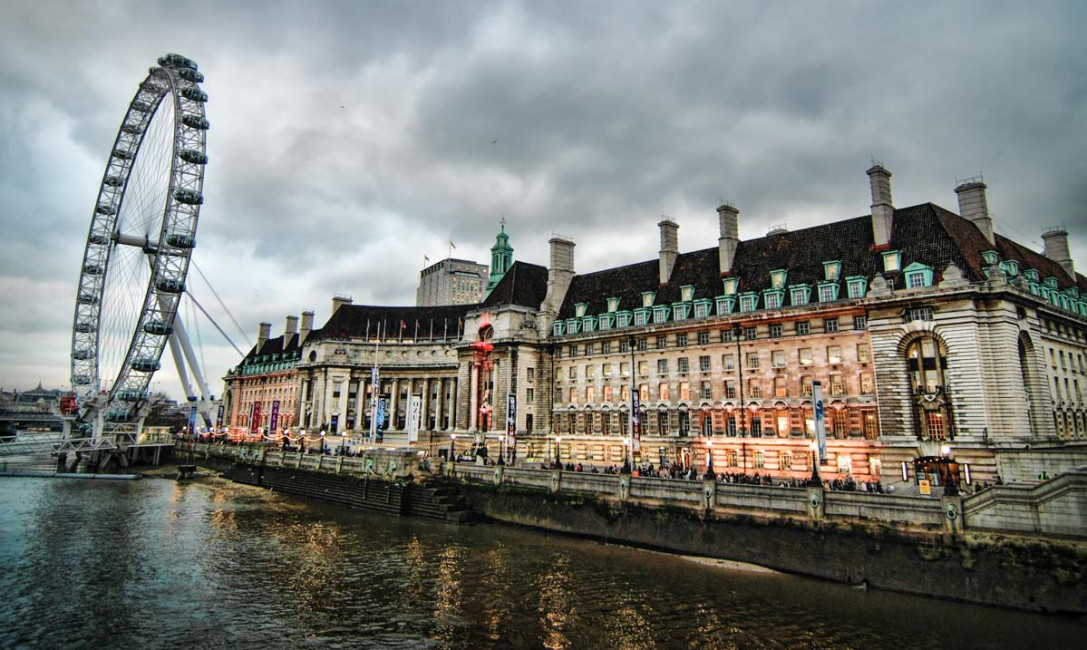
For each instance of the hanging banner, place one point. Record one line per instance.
(254, 423)
(219, 418)
(820, 420)
(511, 420)
(415, 416)
(636, 422)
(192, 419)
(274, 421)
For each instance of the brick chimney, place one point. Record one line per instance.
(974, 207)
(290, 328)
(307, 327)
(263, 332)
(337, 302)
(669, 248)
(882, 208)
(729, 218)
(1056, 249)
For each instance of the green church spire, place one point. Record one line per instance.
(501, 257)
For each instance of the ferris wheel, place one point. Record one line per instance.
(142, 233)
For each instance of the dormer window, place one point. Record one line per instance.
(777, 279)
(647, 298)
(686, 293)
(731, 285)
(573, 326)
(606, 321)
(660, 314)
(749, 301)
(828, 291)
(857, 286)
(725, 305)
(832, 270)
(1011, 267)
(990, 257)
(588, 323)
(772, 299)
(1031, 275)
(702, 308)
(892, 261)
(624, 318)
(613, 305)
(1073, 292)
(641, 317)
(579, 309)
(557, 328)
(799, 294)
(918, 275)
(1050, 282)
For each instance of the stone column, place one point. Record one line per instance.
(342, 405)
(394, 398)
(438, 406)
(473, 397)
(302, 423)
(424, 424)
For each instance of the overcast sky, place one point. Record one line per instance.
(350, 139)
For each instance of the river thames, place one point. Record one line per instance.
(154, 563)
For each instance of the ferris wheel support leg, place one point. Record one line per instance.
(179, 363)
(190, 356)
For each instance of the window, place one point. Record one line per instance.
(681, 340)
(579, 309)
(624, 394)
(642, 347)
(831, 270)
(860, 322)
(806, 385)
(728, 336)
(571, 351)
(589, 349)
(573, 394)
(856, 286)
(662, 391)
(573, 372)
(805, 356)
(867, 384)
(590, 371)
(751, 333)
(613, 304)
(730, 389)
(837, 385)
(775, 331)
(799, 294)
(754, 388)
(772, 299)
(643, 393)
(608, 393)
(703, 338)
(683, 365)
(702, 309)
(828, 291)
(728, 361)
(748, 302)
(686, 293)
(918, 313)
(803, 328)
(862, 352)
(892, 261)
(605, 370)
(704, 363)
(605, 347)
(662, 342)
(830, 325)
(641, 317)
(558, 328)
(780, 387)
(918, 275)
(707, 390)
(752, 359)
(530, 374)
(647, 298)
(834, 354)
(777, 358)
(685, 391)
(662, 366)
(730, 285)
(624, 346)
(660, 315)
(643, 368)
(624, 369)
(777, 279)
(927, 365)
(590, 394)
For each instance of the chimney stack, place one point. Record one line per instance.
(728, 216)
(307, 327)
(669, 247)
(882, 209)
(559, 274)
(337, 302)
(974, 207)
(290, 329)
(263, 332)
(1056, 249)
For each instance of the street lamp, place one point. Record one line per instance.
(709, 460)
(558, 451)
(301, 441)
(452, 447)
(628, 464)
(951, 487)
(343, 442)
(815, 480)
(322, 450)
(737, 333)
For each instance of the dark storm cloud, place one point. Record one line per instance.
(351, 138)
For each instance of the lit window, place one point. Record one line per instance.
(579, 309)
(777, 279)
(831, 270)
(684, 391)
(731, 285)
(647, 298)
(686, 293)
(892, 261)
(778, 358)
(780, 387)
(867, 384)
(805, 356)
(834, 354)
(613, 304)
(862, 352)
(837, 386)
(662, 391)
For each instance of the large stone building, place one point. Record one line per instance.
(451, 282)
(929, 336)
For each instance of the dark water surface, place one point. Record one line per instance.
(155, 564)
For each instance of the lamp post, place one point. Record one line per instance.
(815, 480)
(501, 449)
(452, 447)
(709, 459)
(343, 442)
(301, 441)
(628, 462)
(558, 451)
(322, 450)
(951, 487)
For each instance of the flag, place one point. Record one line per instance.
(451, 244)
(426, 260)
(403, 325)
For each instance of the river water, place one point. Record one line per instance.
(154, 564)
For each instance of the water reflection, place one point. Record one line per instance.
(155, 563)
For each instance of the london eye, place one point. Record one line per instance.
(138, 250)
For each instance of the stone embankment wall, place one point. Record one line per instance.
(900, 543)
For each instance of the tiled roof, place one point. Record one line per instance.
(275, 346)
(358, 321)
(923, 233)
(524, 284)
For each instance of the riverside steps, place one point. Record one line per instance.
(1015, 546)
(392, 481)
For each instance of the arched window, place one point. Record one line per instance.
(926, 361)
